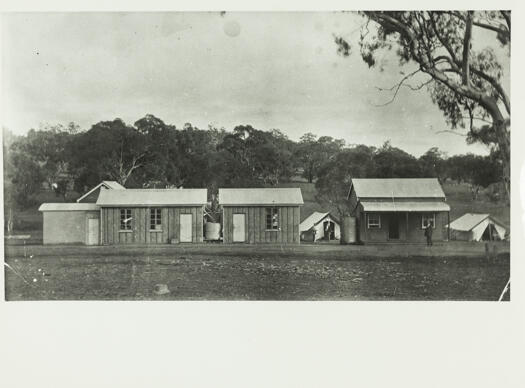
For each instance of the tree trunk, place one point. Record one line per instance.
(504, 145)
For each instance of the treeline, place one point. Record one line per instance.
(151, 153)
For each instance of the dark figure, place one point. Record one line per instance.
(428, 234)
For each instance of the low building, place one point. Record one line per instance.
(261, 215)
(320, 226)
(92, 195)
(398, 209)
(477, 227)
(151, 216)
(70, 223)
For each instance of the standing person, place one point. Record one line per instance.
(428, 233)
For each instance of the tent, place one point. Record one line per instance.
(477, 227)
(319, 226)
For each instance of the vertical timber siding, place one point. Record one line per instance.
(255, 225)
(140, 232)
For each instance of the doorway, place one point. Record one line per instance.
(393, 226)
(239, 234)
(329, 230)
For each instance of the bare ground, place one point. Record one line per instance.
(414, 272)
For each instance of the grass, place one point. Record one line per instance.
(229, 273)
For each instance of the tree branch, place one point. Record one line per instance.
(397, 87)
(466, 49)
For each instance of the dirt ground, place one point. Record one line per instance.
(267, 273)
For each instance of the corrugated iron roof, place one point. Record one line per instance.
(312, 220)
(153, 197)
(398, 188)
(60, 207)
(468, 221)
(113, 185)
(261, 197)
(405, 206)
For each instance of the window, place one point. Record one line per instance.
(125, 219)
(374, 221)
(428, 218)
(155, 221)
(272, 218)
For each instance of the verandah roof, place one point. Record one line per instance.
(410, 206)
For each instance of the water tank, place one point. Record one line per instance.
(212, 231)
(349, 233)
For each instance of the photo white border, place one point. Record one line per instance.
(269, 344)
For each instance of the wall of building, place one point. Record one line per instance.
(255, 225)
(66, 227)
(140, 232)
(415, 231)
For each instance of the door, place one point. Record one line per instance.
(393, 227)
(329, 230)
(186, 228)
(239, 234)
(93, 231)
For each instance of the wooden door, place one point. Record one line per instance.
(93, 231)
(186, 227)
(239, 233)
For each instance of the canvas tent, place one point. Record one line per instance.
(318, 226)
(477, 227)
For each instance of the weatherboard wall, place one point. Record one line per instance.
(255, 225)
(140, 232)
(414, 229)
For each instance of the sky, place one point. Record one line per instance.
(269, 70)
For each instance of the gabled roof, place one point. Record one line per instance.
(153, 197)
(261, 197)
(398, 188)
(469, 221)
(61, 207)
(107, 184)
(313, 219)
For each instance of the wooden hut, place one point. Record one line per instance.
(151, 216)
(398, 209)
(261, 215)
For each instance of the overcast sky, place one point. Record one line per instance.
(270, 70)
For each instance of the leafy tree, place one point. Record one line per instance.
(464, 81)
(335, 176)
(475, 170)
(256, 157)
(392, 162)
(312, 153)
(432, 163)
(109, 150)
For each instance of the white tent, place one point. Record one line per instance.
(477, 227)
(319, 226)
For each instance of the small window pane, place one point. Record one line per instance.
(125, 219)
(272, 218)
(374, 221)
(155, 219)
(428, 218)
